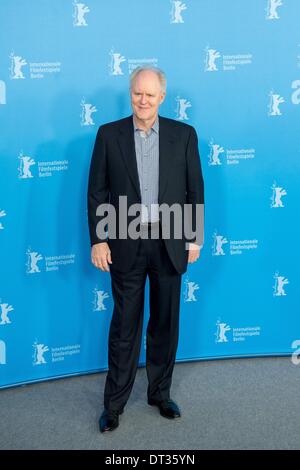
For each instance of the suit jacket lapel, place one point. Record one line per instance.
(127, 146)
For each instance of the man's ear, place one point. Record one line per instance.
(162, 97)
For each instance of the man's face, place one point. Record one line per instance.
(146, 95)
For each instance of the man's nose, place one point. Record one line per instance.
(143, 98)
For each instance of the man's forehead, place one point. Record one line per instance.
(146, 80)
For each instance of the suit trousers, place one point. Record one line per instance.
(126, 326)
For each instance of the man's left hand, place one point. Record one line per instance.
(194, 252)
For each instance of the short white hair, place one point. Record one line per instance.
(160, 74)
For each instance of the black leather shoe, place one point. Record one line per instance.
(109, 420)
(168, 408)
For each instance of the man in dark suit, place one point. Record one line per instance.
(154, 162)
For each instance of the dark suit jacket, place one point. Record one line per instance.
(113, 173)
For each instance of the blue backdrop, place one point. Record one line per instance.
(233, 73)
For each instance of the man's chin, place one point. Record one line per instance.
(144, 116)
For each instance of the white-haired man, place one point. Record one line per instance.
(154, 162)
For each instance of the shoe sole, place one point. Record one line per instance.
(170, 417)
(108, 430)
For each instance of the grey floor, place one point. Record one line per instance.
(225, 404)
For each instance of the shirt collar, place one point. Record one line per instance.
(154, 127)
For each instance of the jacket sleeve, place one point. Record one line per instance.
(195, 189)
(98, 188)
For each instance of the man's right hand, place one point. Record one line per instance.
(101, 256)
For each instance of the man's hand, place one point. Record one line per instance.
(101, 256)
(194, 252)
